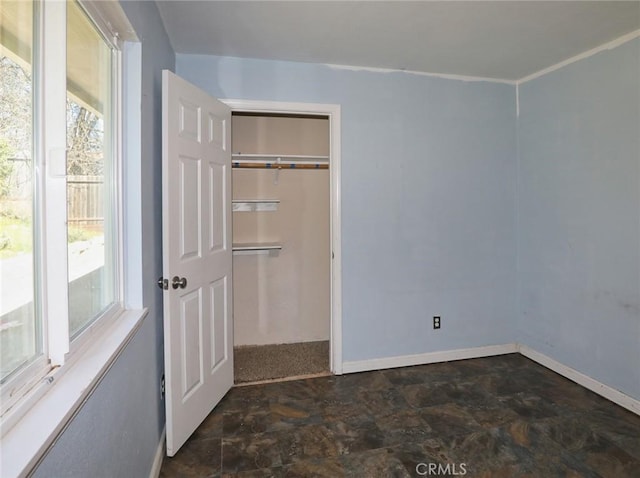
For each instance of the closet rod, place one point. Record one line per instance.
(276, 166)
(302, 157)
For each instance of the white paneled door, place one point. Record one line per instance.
(197, 264)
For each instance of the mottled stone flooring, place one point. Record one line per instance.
(254, 363)
(492, 417)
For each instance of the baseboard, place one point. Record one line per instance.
(426, 358)
(601, 389)
(157, 459)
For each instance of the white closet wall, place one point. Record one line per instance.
(283, 296)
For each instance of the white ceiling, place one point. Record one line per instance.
(500, 39)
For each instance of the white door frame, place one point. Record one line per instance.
(333, 112)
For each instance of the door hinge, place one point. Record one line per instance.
(163, 283)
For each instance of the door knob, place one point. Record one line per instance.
(179, 282)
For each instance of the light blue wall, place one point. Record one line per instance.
(579, 216)
(117, 431)
(428, 198)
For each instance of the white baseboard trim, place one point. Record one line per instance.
(426, 358)
(600, 388)
(157, 459)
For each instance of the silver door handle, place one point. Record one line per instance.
(179, 282)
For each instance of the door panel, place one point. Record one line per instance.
(191, 324)
(189, 121)
(217, 131)
(190, 211)
(217, 221)
(198, 332)
(219, 350)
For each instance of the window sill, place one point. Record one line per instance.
(62, 393)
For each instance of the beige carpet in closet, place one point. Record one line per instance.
(258, 363)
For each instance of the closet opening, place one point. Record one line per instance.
(282, 245)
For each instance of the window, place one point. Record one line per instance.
(20, 333)
(91, 227)
(60, 247)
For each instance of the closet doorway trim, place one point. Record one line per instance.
(333, 112)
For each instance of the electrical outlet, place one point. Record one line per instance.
(436, 322)
(162, 387)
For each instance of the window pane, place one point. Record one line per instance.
(90, 165)
(20, 338)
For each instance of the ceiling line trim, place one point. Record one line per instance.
(446, 76)
(586, 54)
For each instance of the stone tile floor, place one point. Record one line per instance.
(502, 416)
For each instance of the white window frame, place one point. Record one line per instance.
(89, 333)
(46, 393)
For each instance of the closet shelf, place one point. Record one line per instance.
(269, 157)
(256, 248)
(254, 205)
